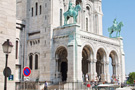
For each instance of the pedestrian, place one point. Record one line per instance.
(86, 76)
(46, 86)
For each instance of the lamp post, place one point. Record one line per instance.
(7, 47)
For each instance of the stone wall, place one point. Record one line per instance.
(7, 31)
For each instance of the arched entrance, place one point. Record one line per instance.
(87, 54)
(113, 60)
(101, 56)
(61, 62)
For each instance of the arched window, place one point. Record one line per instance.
(40, 9)
(96, 24)
(32, 11)
(86, 24)
(30, 61)
(36, 61)
(60, 17)
(36, 8)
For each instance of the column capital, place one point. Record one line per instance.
(118, 64)
(106, 62)
(88, 60)
(113, 64)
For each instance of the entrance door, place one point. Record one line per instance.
(64, 71)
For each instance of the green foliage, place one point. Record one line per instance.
(131, 78)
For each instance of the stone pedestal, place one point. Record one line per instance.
(74, 51)
(74, 56)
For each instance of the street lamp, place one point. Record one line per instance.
(7, 47)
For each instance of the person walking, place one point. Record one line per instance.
(46, 86)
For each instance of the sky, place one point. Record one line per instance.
(122, 10)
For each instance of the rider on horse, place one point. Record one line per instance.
(70, 7)
(115, 23)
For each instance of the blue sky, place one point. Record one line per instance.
(123, 10)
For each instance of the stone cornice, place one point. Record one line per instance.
(102, 41)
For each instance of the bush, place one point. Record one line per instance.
(131, 78)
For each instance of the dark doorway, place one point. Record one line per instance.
(64, 71)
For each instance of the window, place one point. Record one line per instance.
(99, 8)
(31, 11)
(40, 9)
(45, 29)
(31, 43)
(45, 42)
(45, 4)
(44, 55)
(36, 8)
(86, 24)
(16, 53)
(60, 17)
(96, 24)
(30, 61)
(36, 61)
(45, 17)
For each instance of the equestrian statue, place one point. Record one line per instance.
(71, 12)
(115, 27)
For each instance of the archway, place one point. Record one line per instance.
(61, 62)
(113, 59)
(101, 56)
(87, 55)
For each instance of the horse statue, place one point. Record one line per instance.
(115, 27)
(71, 12)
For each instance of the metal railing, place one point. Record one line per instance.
(27, 86)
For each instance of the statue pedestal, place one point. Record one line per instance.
(69, 37)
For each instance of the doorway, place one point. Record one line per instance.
(64, 71)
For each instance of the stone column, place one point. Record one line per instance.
(89, 69)
(102, 72)
(79, 64)
(107, 71)
(118, 71)
(122, 60)
(71, 64)
(114, 69)
(94, 73)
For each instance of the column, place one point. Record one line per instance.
(79, 65)
(89, 69)
(107, 71)
(71, 64)
(102, 72)
(118, 71)
(94, 69)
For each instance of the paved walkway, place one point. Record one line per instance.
(125, 88)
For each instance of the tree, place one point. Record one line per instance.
(131, 78)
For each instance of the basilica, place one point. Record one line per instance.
(60, 41)
(58, 51)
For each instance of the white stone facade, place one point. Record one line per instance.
(49, 49)
(96, 48)
(7, 31)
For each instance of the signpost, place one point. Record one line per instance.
(11, 78)
(26, 71)
(8, 71)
